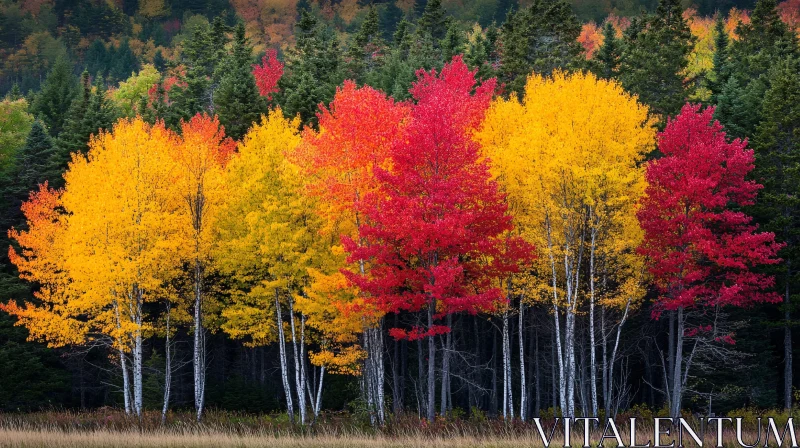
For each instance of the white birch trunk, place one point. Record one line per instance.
(199, 358)
(299, 371)
(167, 370)
(508, 399)
(523, 385)
(592, 358)
(287, 390)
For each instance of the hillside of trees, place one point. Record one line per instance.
(475, 208)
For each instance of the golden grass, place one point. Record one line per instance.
(18, 438)
(195, 438)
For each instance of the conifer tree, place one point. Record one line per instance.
(433, 21)
(539, 38)
(777, 150)
(655, 57)
(761, 43)
(721, 71)
(453, 42)
(313, 70)
(54, 100)
(15, 93)
(90, 112)
(605, 63)
(365, 52)
(237, 101)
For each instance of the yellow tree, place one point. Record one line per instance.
(568, 155)
(268, 233)
(112, 248)
(200, 156)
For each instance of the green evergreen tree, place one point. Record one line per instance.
(237, 102)
(15, 93)
(124, 62)
(605, 63)
(433, 21)
(197, 57)
(313, 70)
(721, 71)
(365, 52)
(90, 112)
(762, 43)
(54, 100)
(540, 38)
(35, 160)
(777, 149)
(654, 60)
(453, 42)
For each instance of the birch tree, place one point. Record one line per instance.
(567, 155)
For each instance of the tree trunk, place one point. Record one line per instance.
(537, 373)
(592, 358)
(397, 401)
(523, 384)
(284, 367)
(299, 366)
(137, 352)
(126, 382)
(167, 370)
(445, 402)
(431, 412)
(787, 343)
(199, 358)
(677, 384)
(508, 399)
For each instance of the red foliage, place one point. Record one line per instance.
(435, 232)
(268, 73)
(789, 11)
(700, 249)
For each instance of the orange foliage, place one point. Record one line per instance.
(591, 38)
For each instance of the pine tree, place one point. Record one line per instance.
(54, 100)
(655, 57)
(90, 112)
(721, 70)
(236, 101)
(453, 42)
(35, 160)
(433, 21)
(15, 93)
(197, 56)
(540, 38)
(365, 52)
(762, 43)
(777, 151)
(605, 63)
(313, 70)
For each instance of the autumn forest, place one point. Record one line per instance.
(393, 211)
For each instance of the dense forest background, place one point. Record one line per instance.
(71, 67)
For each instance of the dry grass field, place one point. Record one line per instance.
(111, 429)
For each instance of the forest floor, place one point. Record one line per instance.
(109, 428)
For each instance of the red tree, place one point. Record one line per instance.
(700, 249)
(435, 231)
(268, 73)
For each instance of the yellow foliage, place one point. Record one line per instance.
(568, 156)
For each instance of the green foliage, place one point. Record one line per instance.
(313, 70)
(90, 112)
(540, 38)
(236, 101)
(54, 100)
(31, 377)
(605, 63)
(654, 59)
(777, 149)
